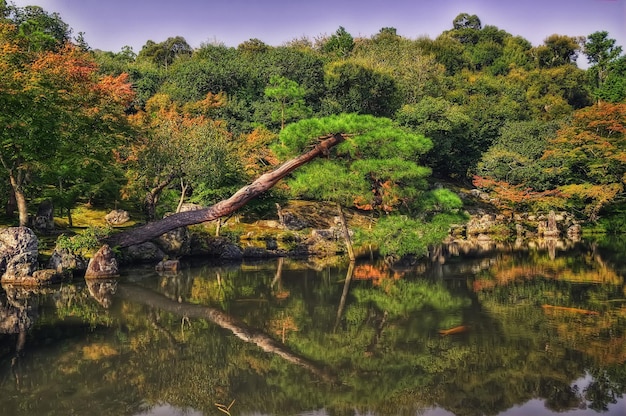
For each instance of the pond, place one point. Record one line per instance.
(507, 331)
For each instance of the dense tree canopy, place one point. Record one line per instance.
(487, 100)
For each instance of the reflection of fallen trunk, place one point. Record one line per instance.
(238, 328)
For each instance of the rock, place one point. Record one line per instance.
(271, 244)
(147, 252)
(327, 235)
(103, 264)
(175, 243)
(38, 278)
(574, 232)
(291, 222)
(117, 217)
(168, 266)
(44, 219)
(224, 249)
(19, 250)
(64, 261)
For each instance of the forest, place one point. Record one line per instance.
(476, 107)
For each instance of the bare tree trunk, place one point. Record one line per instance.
(223, 320)
(346, 233)
(218, 227)
(224, 207)
(16, 179)
(183, 190)
(20, 198)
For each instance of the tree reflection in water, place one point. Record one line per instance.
(499, 333)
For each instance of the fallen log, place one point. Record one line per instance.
(263, 183)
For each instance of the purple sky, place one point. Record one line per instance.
(111, 24)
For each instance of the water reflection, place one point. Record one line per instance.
(507, 332)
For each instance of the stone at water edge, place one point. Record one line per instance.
(19, 251)
(168, 266)
(103, 264)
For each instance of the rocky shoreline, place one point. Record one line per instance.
(296, 233)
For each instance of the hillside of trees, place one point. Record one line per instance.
(476, 106)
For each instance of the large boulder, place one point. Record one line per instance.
(19, 251)
(223, 248)
(175, 243)
(117, 217)
(103, 265)
(146, 252)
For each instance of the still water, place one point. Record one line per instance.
(511, 331)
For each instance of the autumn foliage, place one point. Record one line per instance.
(516, 197)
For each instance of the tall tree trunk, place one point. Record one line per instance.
(346, 233)
(11, 203)
(224, 207)
(20, 198)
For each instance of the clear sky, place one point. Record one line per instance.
(112, 24)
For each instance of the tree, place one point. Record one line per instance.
(557, 50)
(516, 197)
(466, 21)
(41, 30)
(229, 205)
(339, 43)
(290, 98)
(589, 157)
(396, 182)
(177, 146)
(416, 73)
(515, 157)
(447, 126)
(374, 169)
(56, 111)
(165, 53)
(353, 88)
(604, 57)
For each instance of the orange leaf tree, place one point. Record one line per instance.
(59, 119)
(517, 197)
(589, 157)
(179, 145)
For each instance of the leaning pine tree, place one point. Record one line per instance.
(358, 161)
(375, 169)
